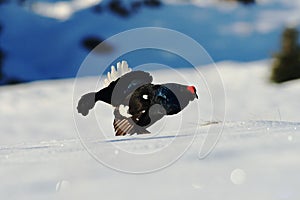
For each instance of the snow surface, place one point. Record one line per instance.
(257, 156)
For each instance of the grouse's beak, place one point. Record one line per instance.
(196, 95)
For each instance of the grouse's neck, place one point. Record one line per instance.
(177, 95)
(104, 95)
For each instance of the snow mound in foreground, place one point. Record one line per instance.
(256, 157)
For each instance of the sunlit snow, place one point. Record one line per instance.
(257, 156)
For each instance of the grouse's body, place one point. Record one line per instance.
(139, 103)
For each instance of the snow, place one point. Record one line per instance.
(256, 157)
(62, 10)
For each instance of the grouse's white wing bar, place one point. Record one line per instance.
(123, 110)
(122, 68)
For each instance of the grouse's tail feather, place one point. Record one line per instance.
(114, 74)
(86, 103)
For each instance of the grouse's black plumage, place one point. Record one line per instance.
(146, 102)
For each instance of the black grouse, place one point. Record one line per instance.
(138, 103)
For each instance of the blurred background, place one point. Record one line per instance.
(49, 39)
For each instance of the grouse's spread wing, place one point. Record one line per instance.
(124, 125)
(124, 86)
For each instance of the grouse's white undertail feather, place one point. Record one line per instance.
(122, 68)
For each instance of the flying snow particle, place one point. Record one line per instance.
(290, 138)
(197, 186)
(62, 185)
(238, 176)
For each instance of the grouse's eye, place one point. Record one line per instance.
(145, 96)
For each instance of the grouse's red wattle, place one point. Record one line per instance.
(192, 89)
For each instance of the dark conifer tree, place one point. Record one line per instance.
(286, 64)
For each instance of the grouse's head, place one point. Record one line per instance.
(192, 91)
(184, 93)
